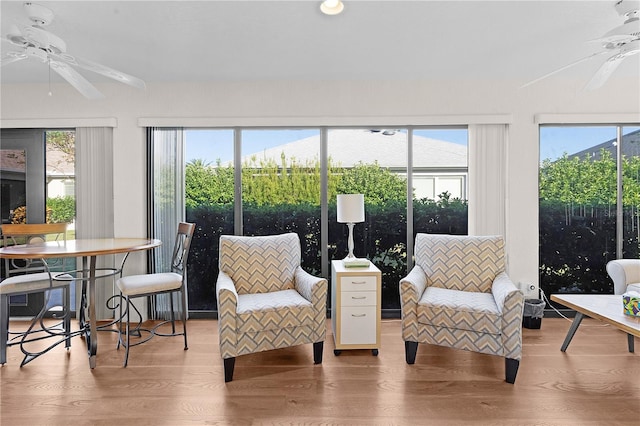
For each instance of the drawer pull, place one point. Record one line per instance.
(358, 315)
(358, 298)
(358, 282)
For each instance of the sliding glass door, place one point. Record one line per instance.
(251, 181)
(589, 199)
(37, 180)
(281, 187)
(372, 162)
(209, 201)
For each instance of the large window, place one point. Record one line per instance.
(589, 198)
(281, 187)
(209, 202)
(372, 162)
(31, 194)
(265, 181)
(440, 180)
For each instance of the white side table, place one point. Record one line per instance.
(356, 295)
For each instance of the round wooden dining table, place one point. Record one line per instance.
(88, 250)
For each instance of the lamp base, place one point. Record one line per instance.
(354, 262)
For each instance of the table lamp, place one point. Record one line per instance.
(350, 209)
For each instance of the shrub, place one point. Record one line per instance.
(62, 209)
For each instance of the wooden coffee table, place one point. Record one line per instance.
(604, 307)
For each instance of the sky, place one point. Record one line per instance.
(556, 140)
(209, 144)
(212, 144)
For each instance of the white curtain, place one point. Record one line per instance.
(94, 199)
(166, 184)
(487, 179)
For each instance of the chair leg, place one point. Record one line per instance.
(511, 367)
(66, 292)
(173, 313)
(184, 317)
(229, 363)
(128, 332)
(410, 350)
(4, 328)
(317, 352)
(119, 323)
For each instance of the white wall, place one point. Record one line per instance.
(316, 103)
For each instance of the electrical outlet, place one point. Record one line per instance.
(526, 287)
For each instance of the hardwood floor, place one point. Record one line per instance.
(596, 382)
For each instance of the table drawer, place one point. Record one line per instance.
(358, 283)
(358, 298)
(358, 325)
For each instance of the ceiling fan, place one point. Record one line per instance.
(42, 45)
(621, 42)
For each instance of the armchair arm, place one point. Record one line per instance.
(502, 288)
(510, 301)
(411, 288)
(314, 289)
(413, 285)
(623, 272)
(227, 297)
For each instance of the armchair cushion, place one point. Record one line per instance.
(273, 311)
(463, 310)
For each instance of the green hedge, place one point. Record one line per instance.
(381, 238)
(576, 244)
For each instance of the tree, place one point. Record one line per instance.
(63, 141)
(266, 182)
(206, 185)
(379, 185)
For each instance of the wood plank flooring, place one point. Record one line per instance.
(596, 382)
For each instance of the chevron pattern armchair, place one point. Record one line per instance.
(459, 295)
(265, 299)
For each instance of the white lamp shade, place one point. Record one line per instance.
(350, 208)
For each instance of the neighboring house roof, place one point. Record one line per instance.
(630, 147)
(13, 160)
(349, 147)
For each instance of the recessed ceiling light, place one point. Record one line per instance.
(331, 7)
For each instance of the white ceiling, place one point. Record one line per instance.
(160, 41)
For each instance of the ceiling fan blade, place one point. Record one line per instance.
(622, 34)
(610, 65)
(11, 57)
(104, 70)
(72, 76)
(604, 72)
(564, 68)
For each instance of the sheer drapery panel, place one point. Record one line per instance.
(94, 198)
(487, 179)
(166, 175)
